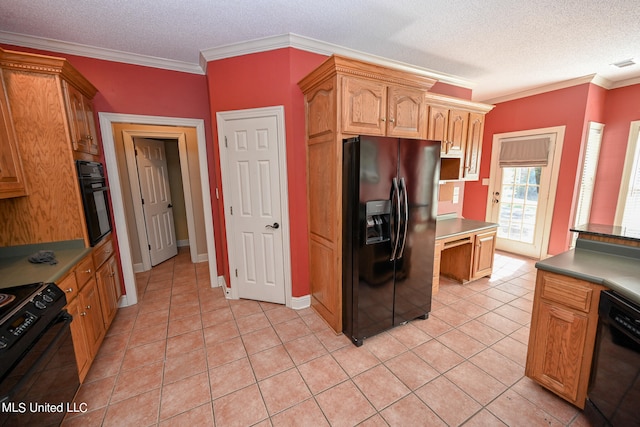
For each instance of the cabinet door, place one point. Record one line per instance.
(474, 147)
(438, 126)
(79, 337)
(107, 291)
(81, 122)
(363, 107)
(406, 113)
(560, 345)
(483, 252)
(457, 132)
(12, 181)
(92, 314)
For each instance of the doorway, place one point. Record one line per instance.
(254, 184)
(522, 187)
(193, 160)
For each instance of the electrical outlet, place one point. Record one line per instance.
(456, 194)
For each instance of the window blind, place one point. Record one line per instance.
(524, 152)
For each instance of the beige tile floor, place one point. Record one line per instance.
(186, 356)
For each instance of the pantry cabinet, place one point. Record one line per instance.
(376, 108)
(562, 336)
(12, 180)
(346, 97)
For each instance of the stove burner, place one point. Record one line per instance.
(6, 299)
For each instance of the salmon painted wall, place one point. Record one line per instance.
(269, 79)
(622, 106)
(564, 107)
(133, 89)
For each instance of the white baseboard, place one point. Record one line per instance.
(138, 268)
(182, 243)
(298, 303)
(202, 258)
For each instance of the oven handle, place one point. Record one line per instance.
(64, 317)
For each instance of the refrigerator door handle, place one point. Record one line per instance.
(403, 190)
(395, 234)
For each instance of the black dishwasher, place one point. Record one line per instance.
(614, 388)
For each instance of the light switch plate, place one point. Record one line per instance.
(485, 181)
(456, 194)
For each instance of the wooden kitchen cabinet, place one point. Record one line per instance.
(81, 122)
(108, 278)
(35, 89)
(377, 108)
(341, 103)
(435, 284)
(562, 336)
(79, 337)
(91, 316)
(459, 124)
(483, 254)
(12, 179)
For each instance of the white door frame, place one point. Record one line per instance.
(227, 184)
(129, 148)
(554, 163)
(634, 132)
(124, 242)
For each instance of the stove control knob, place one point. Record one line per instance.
(47, 298)
(3, 343)
(40, 305)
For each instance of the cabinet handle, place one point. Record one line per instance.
(88, 307)
(84, 313)
(392, 120)
(69, 290)
(89, 137)
(88, 271)
(384, 119)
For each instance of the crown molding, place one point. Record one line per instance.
(623, 83)
(592, 78)
(98, 53)
(323, 48)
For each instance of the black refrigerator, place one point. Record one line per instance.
(390, 194)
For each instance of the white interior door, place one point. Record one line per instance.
(157, 208)
(252, 182)
(521, 199)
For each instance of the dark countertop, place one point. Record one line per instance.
(615, 266)
(15, 268)
(609, 231)
(448, 226)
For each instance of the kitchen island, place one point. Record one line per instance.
(565, 308)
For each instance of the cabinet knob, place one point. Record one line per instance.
(88, 271)
(89, 137)
(84, 313)
(88, 307)
(69, 290)
(392, 120)
(384, 119)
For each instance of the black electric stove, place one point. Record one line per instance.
(25, 312)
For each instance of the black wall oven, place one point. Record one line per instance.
(94, 199)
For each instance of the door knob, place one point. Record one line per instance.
(170, 205)
(274, 226)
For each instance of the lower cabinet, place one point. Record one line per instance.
(466, 257)
(563, 332)
(92, 300)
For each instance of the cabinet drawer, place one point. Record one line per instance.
(567, 291)
(102, 253)
(84, 271)
(70, 286)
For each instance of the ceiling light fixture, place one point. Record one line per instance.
(626, 63)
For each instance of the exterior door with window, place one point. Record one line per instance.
(519, 192)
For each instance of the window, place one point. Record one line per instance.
(628, 211)
(588, 177)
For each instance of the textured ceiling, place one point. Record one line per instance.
(501, 46)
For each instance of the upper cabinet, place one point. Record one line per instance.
(459, 124)
(81, 123)
(12, 182)
(45, 127)
(378, 108)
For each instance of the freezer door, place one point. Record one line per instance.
(419, 174)
(370, 228)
